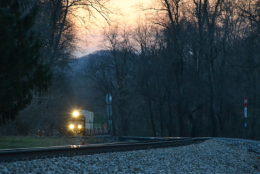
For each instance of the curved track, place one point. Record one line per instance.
(73, 150)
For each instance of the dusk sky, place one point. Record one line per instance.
(125, 14)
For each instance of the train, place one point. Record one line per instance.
(80, 122)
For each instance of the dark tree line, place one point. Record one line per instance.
(188, 74)
(22, 72)
(37, 39)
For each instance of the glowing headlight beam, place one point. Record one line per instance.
(71, 126)
(75, 113)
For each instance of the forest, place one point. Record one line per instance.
(185, 72)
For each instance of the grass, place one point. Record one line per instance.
(11, 142)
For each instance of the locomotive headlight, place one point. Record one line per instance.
(75, 113)
(79, 126)
(71, 126)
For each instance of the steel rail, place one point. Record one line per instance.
(22, 154)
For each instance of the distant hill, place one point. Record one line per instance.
(78, 64)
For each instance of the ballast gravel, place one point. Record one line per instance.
(212, 156)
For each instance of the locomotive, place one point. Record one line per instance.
(80, 121)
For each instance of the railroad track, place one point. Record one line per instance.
(74, 150)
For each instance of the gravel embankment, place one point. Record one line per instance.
(212, 156)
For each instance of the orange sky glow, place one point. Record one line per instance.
(125, 13)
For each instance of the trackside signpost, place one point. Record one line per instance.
(245, 112)
(245, 123)
(109, 112)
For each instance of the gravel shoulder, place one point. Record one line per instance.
(212, 156)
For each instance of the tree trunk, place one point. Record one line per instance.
(170, 122)
(161, 117)
(152, 118)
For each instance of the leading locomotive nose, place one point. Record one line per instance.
(79, 121)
